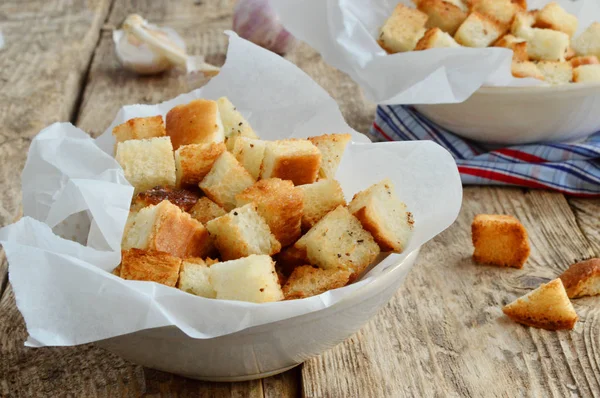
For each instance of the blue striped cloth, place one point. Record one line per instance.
(570, 168)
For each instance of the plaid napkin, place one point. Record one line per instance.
(570, 168)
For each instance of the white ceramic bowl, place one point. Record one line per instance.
(264, 350)
(518, 115)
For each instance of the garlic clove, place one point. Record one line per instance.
(137, 56)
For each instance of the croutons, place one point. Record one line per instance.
(547, 45)
(556, 72)
(280, 204)
(588, 43)
(319, 199)
(194, 161)
(547, 307)
(332, 147)
(402, 30)
(526, 69)
(195, 123)
(250, 153)
(522, 24)
(382, 214)
(499, 240)
(587, 74)
(233, 121)
(205, 210)
(147, 163)
(295, 160)
(554, 17)
(166, 228)
(139, 128)
(580, 61)
(307, 281)
(242, 232)
(149, 265)
(435, 38)
(501, 10)
(226, 179)
(194, 278)
(582, 279)
(517, 44)
(478, 30)
(442, 14)
(182, 198)
(290, 258)
(339, 241)
(252, 279)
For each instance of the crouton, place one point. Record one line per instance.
(556, 72)
(166, 228)
(588, 43)
(547, 307)
(182, 198)
(442, 14)
(339, 241)
(279, 203)
(117, 271)
(295, 160)
(332, 147)
(242, 232)
(320, 198)
(205, 210)
(570, 54)
(290, 258)
(580, 61)
(250, 153)
(402, 30)
(435, 38)
(582, 279)
(194, 278)
(499, 240)
(460, 4)
(382, 214)
(526, 69)
(150, 265)
(194, 161)
(252, 279)
(587, 74)
(139, 128)
(502, 11)
(547, 45)
(195, 123)
(226, 179)
(307, 281)
(522, 5)
(522, 24)
(478, 30)
(554, 17)
(233, 121)
(147, 163)
(517, 44)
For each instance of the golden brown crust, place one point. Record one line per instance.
(117, 271)
(139, 128)
(194, 161)
(205, 210)
(579, 275)
(192, 123)
(587, 60)
(499, 240)
(182, 198)
(302, 169)
(290, 258)
(423, 43)
(371, 225)
(307, 281)
(150, 265)
(519, 49)
(443, 15)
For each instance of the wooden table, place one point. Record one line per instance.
(443, 334)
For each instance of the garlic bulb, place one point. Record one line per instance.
(256, 21)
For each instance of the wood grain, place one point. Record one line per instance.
(587, 212)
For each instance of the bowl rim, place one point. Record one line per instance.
(557, 89)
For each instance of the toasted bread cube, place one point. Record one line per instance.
(588, 43)
(250, 153)
(402, 30)
(166, 228)
(150, 265)
(147, 163)
(332, 147)
(117, 271)
(233, 121)
(320, 198)
(242, 232)
(205, 210)
(478, 30)
(194, 278)
(339, 241)
(182, 198)
(226, 179)
(307, 281)
(443, 14)
(502, 11)
(580, 61)
(517, 44)
(195, 123)
(554, 17)
(582, 279)
(280, 204)
(194, 161)
(436, 38)
(382, 214)
(252, 279)
(295, 160)
(289, 258)
(586, 74)
(547, 45)
(570, 54)
(499, 240)
(547, 307)
(139, 128)
(522, 24)
(526, 69)
(556, 72)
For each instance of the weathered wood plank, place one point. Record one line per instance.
(444, 333)
(587, 212)
(283, 385)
